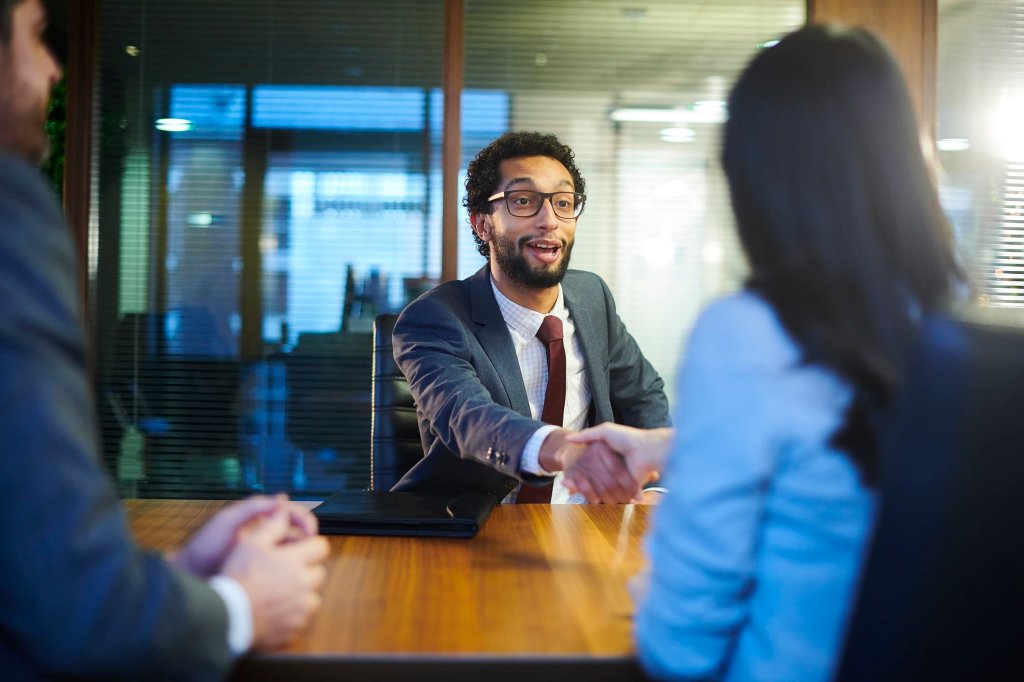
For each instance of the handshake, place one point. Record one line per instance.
(609, 463)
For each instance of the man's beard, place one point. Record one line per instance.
(22, 125)
(509, 257)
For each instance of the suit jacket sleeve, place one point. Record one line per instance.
(443, 362)
(78, 595)
(637, 392)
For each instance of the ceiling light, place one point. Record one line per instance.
(708, 111)
(678, 135)
(704, 111)
(199, 219)
(175, 125)
(649, 115)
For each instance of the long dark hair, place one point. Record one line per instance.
(837, 211)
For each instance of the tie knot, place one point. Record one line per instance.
(550, 329)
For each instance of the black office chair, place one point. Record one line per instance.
(942, 595)
(394, 429)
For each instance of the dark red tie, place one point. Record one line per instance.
(550, 334)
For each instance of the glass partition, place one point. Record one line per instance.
(269, 179)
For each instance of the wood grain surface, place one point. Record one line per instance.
(539, 582)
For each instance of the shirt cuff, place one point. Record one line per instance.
(529, 461)
(239, 613)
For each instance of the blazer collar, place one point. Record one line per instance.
(495, 339)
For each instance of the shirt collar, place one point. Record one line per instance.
(522, 319)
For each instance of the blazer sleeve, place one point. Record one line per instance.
(707, 529)
(443, 362)
(79, 597)
(637, 392)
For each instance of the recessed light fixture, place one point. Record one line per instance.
(703, 111)
(174, 125)
(649, 115)
(953, 144)
(131, 50)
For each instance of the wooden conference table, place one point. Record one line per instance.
(540, 593)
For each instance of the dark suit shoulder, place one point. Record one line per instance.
(584, 282)
(24, 192)
(453, 293)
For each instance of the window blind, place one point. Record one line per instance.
(981, 142)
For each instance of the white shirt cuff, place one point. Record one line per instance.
(239, 613)
(529, 461)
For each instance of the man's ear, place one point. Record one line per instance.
(482, 225)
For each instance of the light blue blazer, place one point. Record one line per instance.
(756, 549)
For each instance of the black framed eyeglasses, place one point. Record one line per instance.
(525, 203)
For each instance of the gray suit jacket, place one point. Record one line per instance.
(77, 596)
(456, 351)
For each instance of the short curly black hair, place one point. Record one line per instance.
(484, 171)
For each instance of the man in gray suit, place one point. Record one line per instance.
(474, 358)
(78, 598)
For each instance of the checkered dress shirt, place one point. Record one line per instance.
(523, 324)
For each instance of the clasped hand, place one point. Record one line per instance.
(609, 463)
(270, 546)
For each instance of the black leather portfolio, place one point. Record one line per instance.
(365, 512)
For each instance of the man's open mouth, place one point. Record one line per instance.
(545, 250)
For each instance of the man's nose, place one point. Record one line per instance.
(546, 215)
(56, 73)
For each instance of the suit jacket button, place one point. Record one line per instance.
(510, 484)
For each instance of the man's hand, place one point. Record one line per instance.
(643, 450)
(281, 575)
(592, 469)
(207, 549)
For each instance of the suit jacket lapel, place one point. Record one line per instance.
(497, 343)
(593, 338)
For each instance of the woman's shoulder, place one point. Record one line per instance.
(743, 327)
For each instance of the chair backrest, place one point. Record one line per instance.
(942, 594)
(394, 429)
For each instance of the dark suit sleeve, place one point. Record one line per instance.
(436, 353)
(637, 393)
(78, 597)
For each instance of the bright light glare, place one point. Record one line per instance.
(658, 250)
(712, 253)
(953, 144)
(1007, 128)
